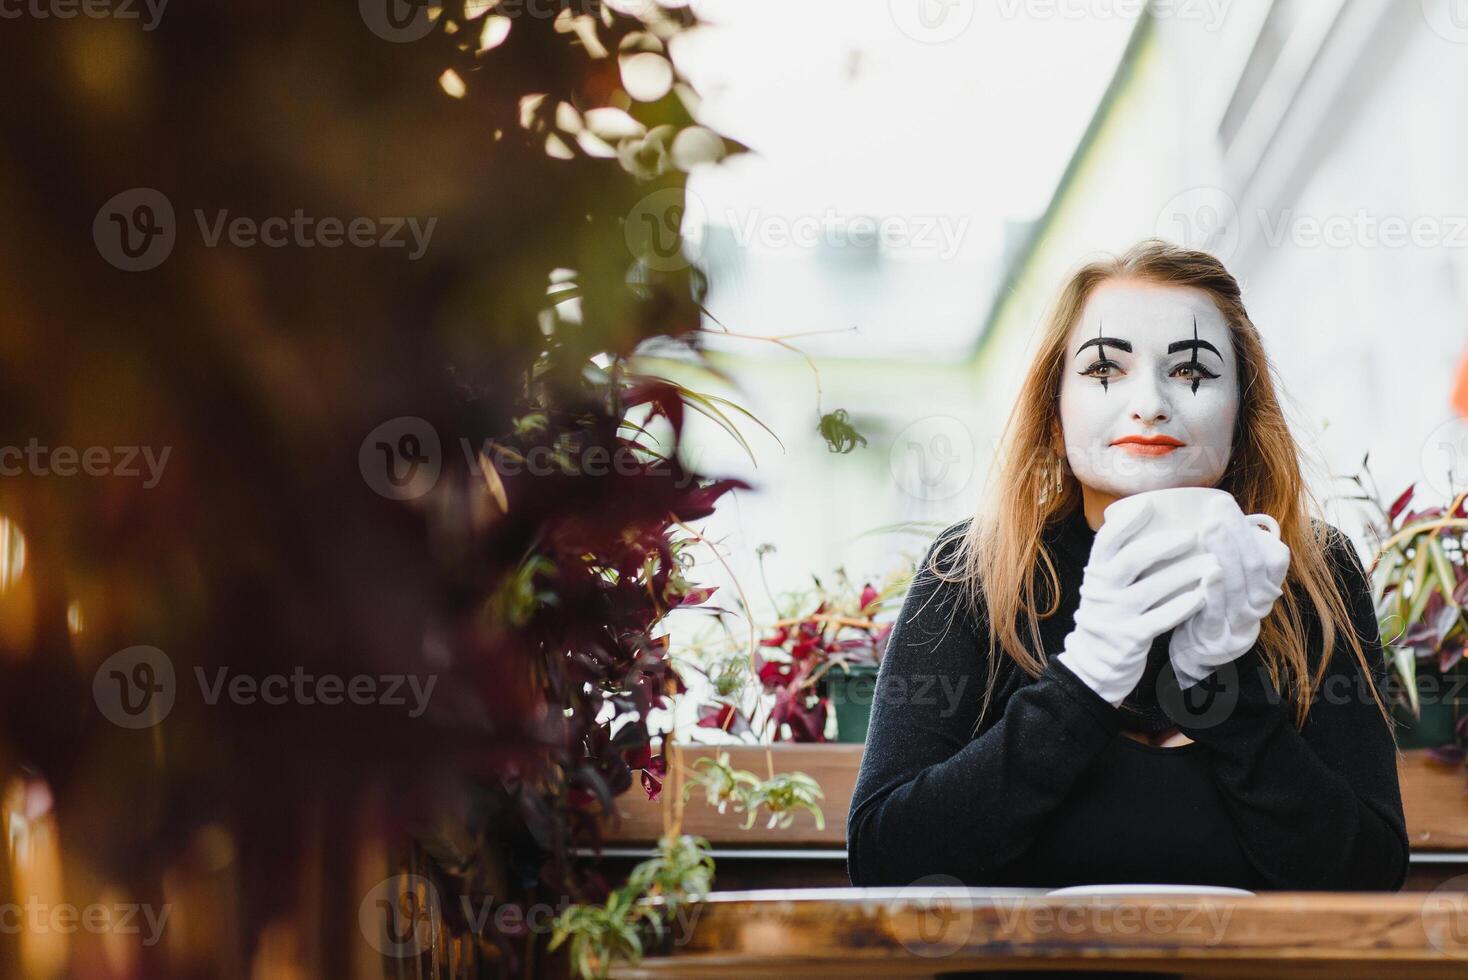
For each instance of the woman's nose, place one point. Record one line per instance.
(1150, 404)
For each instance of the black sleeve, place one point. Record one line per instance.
(1318, 808)
(928, 800)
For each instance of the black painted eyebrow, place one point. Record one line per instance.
(1192, 345)
(1116, 342)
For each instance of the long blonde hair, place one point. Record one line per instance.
(1032, 484)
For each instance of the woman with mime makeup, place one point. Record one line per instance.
(1236, 733)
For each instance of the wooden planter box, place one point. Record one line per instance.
(1434, 799)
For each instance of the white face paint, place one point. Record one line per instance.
(1141, 381)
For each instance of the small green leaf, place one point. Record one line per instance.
(1422, 588)
(840, 435)
(1445, 576)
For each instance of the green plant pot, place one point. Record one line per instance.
(851, 699)
(1433, 729)
(1442, 700)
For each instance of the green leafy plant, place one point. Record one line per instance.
(721, 782)
(784, 795)
(681, 871)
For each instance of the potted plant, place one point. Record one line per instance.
(1420, 573)
(818, 656)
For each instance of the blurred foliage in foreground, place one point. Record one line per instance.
(544, 154)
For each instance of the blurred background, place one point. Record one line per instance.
(994, 148)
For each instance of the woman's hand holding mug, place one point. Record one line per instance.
(1135, 587)
(1252, 563)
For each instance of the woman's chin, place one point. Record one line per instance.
(1163, 482)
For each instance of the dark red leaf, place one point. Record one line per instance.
(699, 502)
(777, 639)
(664, 398)
(807, 722)
(1400, 502)
(804, 649)
(775, 673)
(724, 716)
(696, 596)
(1450, 655)
(640, 757)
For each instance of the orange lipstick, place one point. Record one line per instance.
(1147, 445)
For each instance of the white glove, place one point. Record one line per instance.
(1128, 599)
(1252, 566)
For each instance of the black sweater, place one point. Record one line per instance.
(1051, 793)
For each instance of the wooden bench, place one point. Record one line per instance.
(1434, 800)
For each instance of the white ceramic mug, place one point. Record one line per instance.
(1182, 508)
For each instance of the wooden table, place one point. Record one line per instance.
(918, 931)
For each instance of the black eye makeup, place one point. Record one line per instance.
(1103, 367)
(1100, 342)
(1199, 371)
